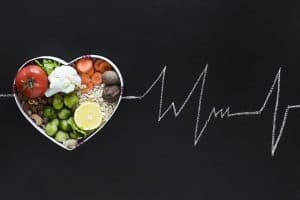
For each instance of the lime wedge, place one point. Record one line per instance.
(88, 116)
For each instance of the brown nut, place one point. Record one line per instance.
(26, 107)
(34, 109)
(39, 107)
(110, 78)
(37, 119)
(111, 93)
(33, 102)
(22, 97)
(50, 100)
(43, 100)
(40, 113)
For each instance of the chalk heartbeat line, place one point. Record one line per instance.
(223, 112)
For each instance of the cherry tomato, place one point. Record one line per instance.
(32, 81)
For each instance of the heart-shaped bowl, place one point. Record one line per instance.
(105, 92)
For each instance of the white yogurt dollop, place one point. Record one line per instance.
(63, 79)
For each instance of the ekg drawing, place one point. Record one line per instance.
(223, 112)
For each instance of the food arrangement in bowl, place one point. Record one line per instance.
(68, 102)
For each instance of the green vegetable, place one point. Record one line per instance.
(55, 121)
(76, 135)
(75, 127)
(49, 112)
(58, 102)
(71, 100)
(48, 65)
(38, 63)
(61, 136)
(51, 128)
(64, 113)
(64, 125)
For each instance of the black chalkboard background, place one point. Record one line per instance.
(134, 156)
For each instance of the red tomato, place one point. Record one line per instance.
(32, 81)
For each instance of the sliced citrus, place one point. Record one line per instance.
(88, 116)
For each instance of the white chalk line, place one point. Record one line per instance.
(221, 112)
(6, 95)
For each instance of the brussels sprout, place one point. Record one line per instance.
(61, 136)
(64, 113)
(49, 112)
(58, 102)
(51, 128)
(71, 100)
(64, 125)
(55, 121)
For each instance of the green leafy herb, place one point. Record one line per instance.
(48, 65)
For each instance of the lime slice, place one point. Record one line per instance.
(88, 116)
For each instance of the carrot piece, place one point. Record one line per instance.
(102, 67)
(97, 78)
(105, 66)
(91, 72)
(84, 65)
(85, 78)
(97, 64)
(89, 87)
